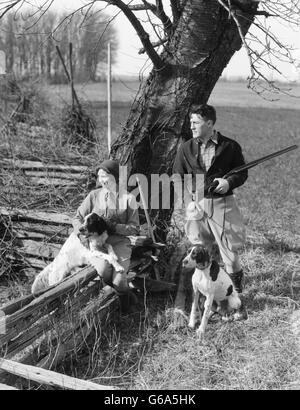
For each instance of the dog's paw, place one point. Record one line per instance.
(227, 318)
(179, 318)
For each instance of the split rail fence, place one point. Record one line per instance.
(43, 331)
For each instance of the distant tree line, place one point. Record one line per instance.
(30, 45)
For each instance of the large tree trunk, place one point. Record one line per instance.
(203, 43)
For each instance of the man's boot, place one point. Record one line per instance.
(238, 282)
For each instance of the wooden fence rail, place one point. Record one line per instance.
(6, 387)
(38, 173)
(49, 377)
(44, 330)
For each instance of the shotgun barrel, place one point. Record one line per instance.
(252, 164)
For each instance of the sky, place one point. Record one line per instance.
(130, 63)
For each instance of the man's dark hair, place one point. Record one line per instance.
(206, 111)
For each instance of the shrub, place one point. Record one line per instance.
(78, 126)
(33, 106)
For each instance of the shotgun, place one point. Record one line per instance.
(252, 164)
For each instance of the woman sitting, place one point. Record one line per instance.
(121, 213)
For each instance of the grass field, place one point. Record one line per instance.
(224, 94)
(144, 350)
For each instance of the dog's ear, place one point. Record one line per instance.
(110, 230)
(214, 271)
(86, 218)
(229, 290)
(103, 225)
(107, 225)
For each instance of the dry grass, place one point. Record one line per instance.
(234, 356)
(143, 350)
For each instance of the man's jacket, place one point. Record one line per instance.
(228, 155)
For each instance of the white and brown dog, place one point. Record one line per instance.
(74, 254)
(214, 283)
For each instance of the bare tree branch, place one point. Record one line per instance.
(245, 5)
(43, 10)
(156, 44)
(264, 13)
(70, 16)
(267, 49)
(156, 27)
(167, 23)
(143, 35)
(288, 11)
(232, 13)
(159, 12)
(263, 49)
(141, 7)
(10, 7)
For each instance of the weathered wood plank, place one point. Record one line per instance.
(27, 261)
(29, 218)
(39, 249)
(4, 387)
(58, 175)
(72, 335)
(33, 215)
(54, 231)
(64, 314)
(49, 377)
(48, 181)
(28, 182)
(76, 334)
(38, 237)
(22, 318)
(37, 254)
(31, 165)
(11, 307)
(20, 324)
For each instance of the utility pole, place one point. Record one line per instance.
(2, 77)
(108, 97)
(2, 62)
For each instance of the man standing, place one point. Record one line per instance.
(217, 218)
